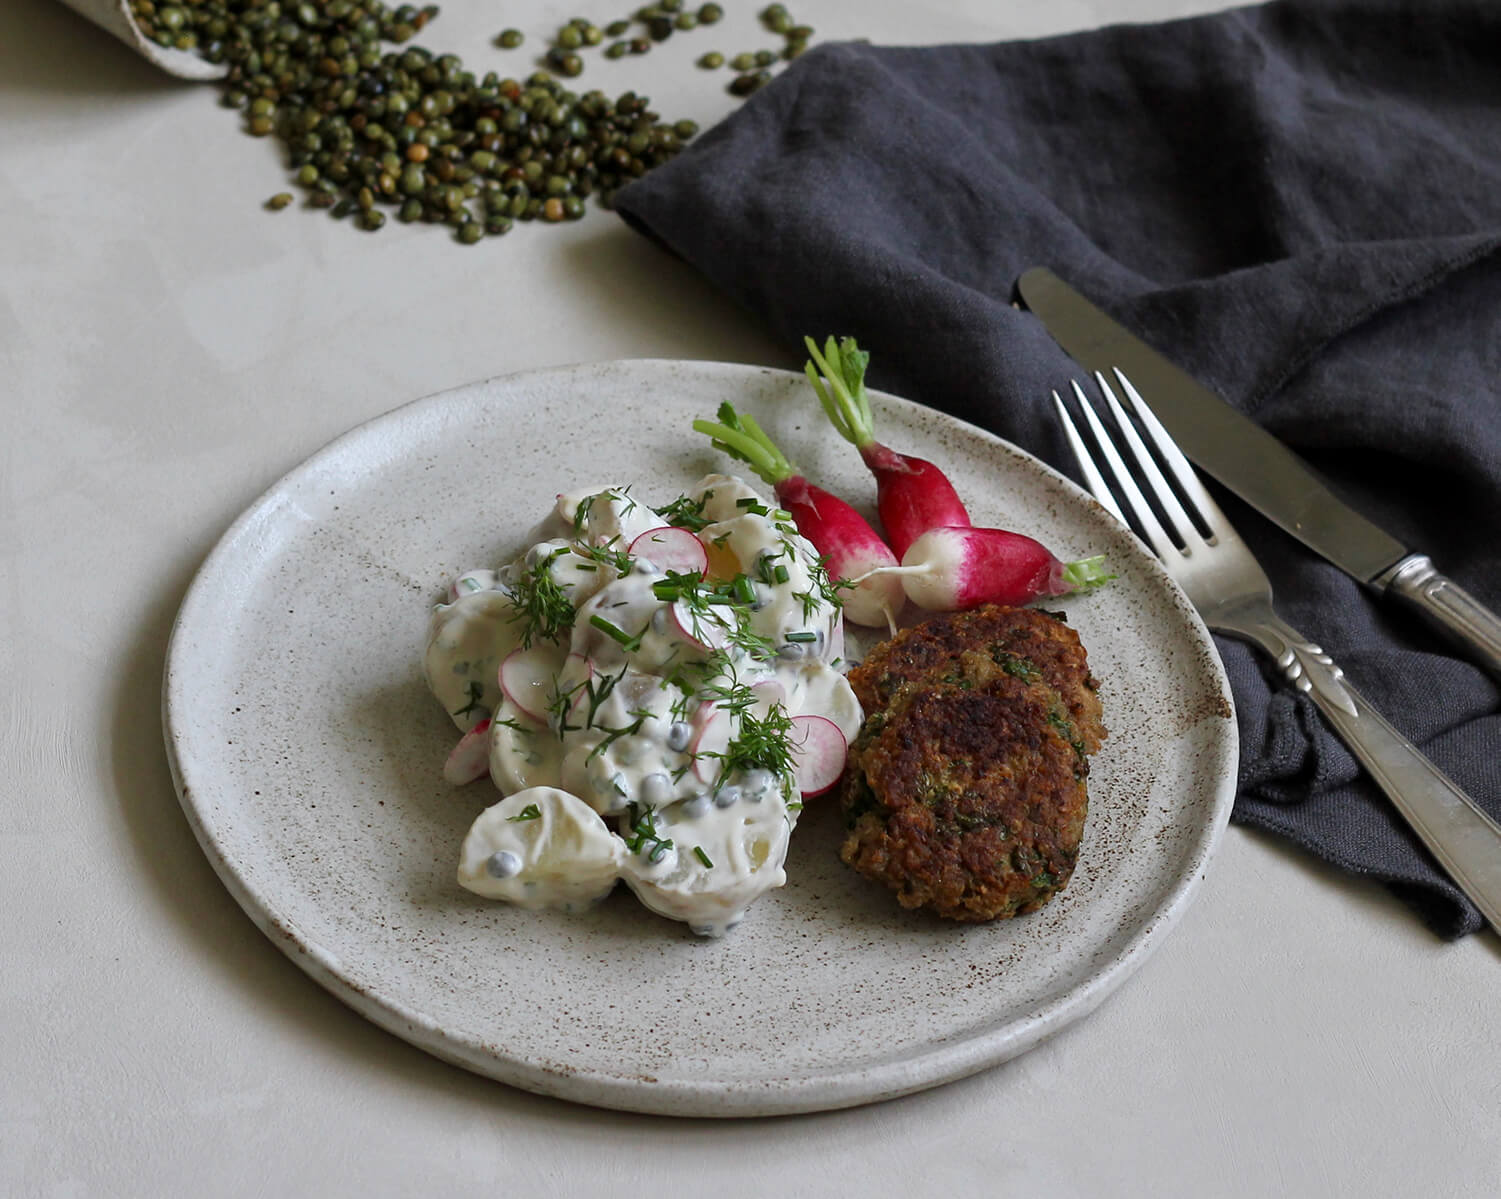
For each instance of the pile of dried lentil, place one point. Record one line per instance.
(372, 129)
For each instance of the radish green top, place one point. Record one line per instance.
(671, 673)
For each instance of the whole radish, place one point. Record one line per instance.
(850, 547)
(950, 569)
(912, 495)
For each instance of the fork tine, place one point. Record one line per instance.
(1093, 478)
(1161, 542)
(1183, 471)
(1176, 514)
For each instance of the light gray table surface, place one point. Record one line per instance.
(169, 350)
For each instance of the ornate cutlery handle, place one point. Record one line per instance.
(1465, 840)
(1448, 607)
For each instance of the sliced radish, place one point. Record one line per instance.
(699, 630)
(713, 740)
(528, 677)
(576, 672)
(818, 750)
(671, 549)
(470, 758)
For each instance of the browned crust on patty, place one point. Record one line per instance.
(965, 791)
(1020, 637)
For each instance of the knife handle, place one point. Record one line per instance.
(1448, 607)
(1464, 839)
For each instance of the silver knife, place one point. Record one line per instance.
(1261, 470)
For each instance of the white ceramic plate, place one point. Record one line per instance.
(307, 753)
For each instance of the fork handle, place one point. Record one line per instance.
(1447, 606)
(1465, 840)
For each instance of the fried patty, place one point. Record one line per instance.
(965, 791)
(1028, 641)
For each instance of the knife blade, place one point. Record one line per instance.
(1261, 470)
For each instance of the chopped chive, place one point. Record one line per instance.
(802, 636)
(743, 589)
(530, 812)
(780, 574)
(614, 632)
(698, 852)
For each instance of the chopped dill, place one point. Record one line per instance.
(684, 513)
(530, 812)
(644, 838)
(476, 693)
(544, 607)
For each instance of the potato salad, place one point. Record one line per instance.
(654, 691)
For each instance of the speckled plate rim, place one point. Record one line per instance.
(931, 1065)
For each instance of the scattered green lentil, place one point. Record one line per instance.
(744, 85)
(372, 129)
(743, 62)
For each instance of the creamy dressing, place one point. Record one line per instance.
(643, 703)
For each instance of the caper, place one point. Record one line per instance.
(470, 232)
(616, 28)
(685, 21)
(617, 49)
(709, 14)
(743, 62)
(509, 39)
(764, 58)
(279, 201)
(711, 61)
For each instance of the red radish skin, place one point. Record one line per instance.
(850, 547)
(912, 495)
(470, 758)
(951, 569)
(852, 550)
(818, 753)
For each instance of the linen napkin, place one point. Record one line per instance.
(1298, 202)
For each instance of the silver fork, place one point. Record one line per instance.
(1226, 584)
